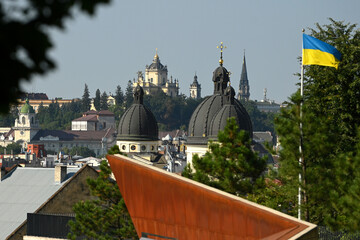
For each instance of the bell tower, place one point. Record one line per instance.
(195, 89)
(26, 126)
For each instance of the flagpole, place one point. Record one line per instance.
(301, 157)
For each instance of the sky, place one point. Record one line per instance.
(107, 50)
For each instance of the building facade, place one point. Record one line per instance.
(156, 79)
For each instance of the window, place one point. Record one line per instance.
(143, 148)
(23, 120)
(133, 147)
(123, 147)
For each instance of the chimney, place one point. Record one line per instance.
(60, 173)
(2, 173)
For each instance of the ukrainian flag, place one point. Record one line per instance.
(316, 52)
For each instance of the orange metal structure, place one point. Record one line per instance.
(166, 204)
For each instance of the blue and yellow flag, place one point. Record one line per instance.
(316, 52)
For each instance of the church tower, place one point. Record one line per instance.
(195, 89)
(156, 79)
(26, 126)
(244, 88)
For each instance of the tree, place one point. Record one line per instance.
(26, 42)
(97, 98)
(119, 96)
(319, 141)
(103, 101)
(55, 117)
(14, 148)
(261, 121)
(7, 120)
(129, 95)
(335, 92)
(85, 101)
(229, 165)
(329, 141)
(105, 217)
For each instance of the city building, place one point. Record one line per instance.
(212, 113)
(94, 130)
(195, 89)
(244, 88)
(156, 79)
(266, 105)
(94, 121)
(36, 103)
(28, 190)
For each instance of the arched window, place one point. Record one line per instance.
(23, 120)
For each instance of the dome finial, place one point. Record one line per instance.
(156, 54)
(221, 61)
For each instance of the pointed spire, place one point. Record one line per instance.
(244, 76)
(244, 88)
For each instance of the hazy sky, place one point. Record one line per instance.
(108, 50)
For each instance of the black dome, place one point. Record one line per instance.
(218, 123)
(138, 122)
(211, 114)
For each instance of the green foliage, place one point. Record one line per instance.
(344, 196)
(128, 95)
(103, 101)
(119, 96)
(115, 150)
(229, 165)
(171, 112)
(318, 144)
(104, 217)
(335, 92)
(58, 118)
(331, 115)
(261, 121)
(7, 120)
(14, 147)
(97, 100)
(25, 41)
(85, 101)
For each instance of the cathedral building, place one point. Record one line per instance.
(195, 89)
(156, 79)
(244, 88)
(211, 115)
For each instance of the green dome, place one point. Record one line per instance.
(27, 108)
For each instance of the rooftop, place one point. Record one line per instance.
(23, 191)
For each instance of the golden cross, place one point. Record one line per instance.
(221, 51)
